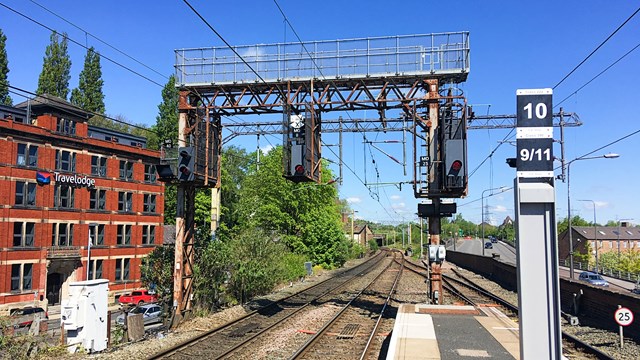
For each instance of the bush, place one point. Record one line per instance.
(356, 251)
(292, 267)
(373, 245)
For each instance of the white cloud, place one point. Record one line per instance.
(396, 197)
(398, 206)
(354, 200)
(266, 149)
(500, 209)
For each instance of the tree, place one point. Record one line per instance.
(157, 271)
(304, 216)
(5, 99)
(166, 128)
(167, 119)
(56, 68)
(235, 165)
(88, 95)
(575, 221)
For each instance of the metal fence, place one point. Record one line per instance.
(436, 54)
(614, 273)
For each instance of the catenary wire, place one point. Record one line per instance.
(79, 44)
(597, 76)
(597, 48)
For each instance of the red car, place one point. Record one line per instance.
(138, 297)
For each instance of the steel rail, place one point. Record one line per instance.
(307, 345)
(176, 348)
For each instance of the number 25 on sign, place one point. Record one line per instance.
(535, 154)
(624, 317)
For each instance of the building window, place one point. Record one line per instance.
(149, 173)
(21, 276)
(63, 196)
(96, 232)
(97, 199)
(23, 234)
(95, 269)
(148, 234)
(149, 203)
(125, 202)
(25, 193)
(98, 166)
(122, 269)
(126, 170)
(62, 234)
(66, 126)
(65, 161)
(27, 155)
(124, 235)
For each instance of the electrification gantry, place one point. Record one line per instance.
(409, 77)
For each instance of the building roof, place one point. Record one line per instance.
(169, 233)
(45, 103)
(608, 232)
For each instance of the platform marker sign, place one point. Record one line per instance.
(534, 134)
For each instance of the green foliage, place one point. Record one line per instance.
(211, 270)
(356, 250)
(170, 202)
(235, 165)
(203, 208)
(373, 245)
(292, 266)
(24, 346)
(5, 99)
(167, 119)
(304, 216)
(255, 264)
(56, 68)
(157, 268)
(575, 221)
(88, 95)
(628, 261)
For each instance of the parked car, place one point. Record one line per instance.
(24, 317)
(593, 278)
(488, 245)
(151, 313)
(138, 297)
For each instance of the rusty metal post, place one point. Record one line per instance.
(433, 98)
(180, 228)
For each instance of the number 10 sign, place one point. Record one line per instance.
(534, 135)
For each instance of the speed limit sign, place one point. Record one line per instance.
(623, 316)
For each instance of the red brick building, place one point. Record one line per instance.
(63, 182)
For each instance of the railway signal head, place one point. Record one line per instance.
(186, 162)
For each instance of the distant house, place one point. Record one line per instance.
(609, 238)
(361, 233)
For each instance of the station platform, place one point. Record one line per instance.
(452, 332)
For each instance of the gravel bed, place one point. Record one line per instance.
(154, 343)
(285, 339)
(604, 340)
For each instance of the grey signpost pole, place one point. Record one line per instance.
(538, 284)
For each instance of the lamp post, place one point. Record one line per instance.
(502, 189)
(353, 214)
(595, 230)
(605, 156)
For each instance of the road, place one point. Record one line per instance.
(508, 255)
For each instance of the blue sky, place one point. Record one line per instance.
(514, 45)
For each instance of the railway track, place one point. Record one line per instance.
(351, 332)
(461, 286)
(224, 340)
